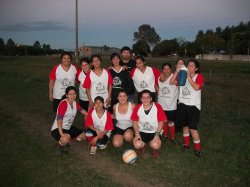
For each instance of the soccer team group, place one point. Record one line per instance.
(129, 100)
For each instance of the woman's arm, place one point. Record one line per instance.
(51, 85)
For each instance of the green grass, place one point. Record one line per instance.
(29, 158)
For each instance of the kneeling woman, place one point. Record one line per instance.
(124, 126)
(148, 119)
(62, 129)
(99, 125)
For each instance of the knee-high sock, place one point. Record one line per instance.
(197, 145)
(186, 138)
(171, 130)
(165, 129)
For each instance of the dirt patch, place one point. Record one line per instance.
(35, 126)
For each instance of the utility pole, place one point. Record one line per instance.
(76, 54)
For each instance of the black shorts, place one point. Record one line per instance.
(188, 116)
(117, 130)
(171, 115)
(102, 141)
(147, 137)
(73, 132)
(55, 104)
(84, 104)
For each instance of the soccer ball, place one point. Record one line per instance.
(129, 156)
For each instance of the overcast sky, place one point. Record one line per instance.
(113, 22)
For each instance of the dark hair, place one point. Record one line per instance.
(125, 48)
(66, 53)
(196, 63)
(95, 56)
(114, 55)
(84, 60)
(100, 98)
(69, 88)
(145, 91)
(122, 91)
(140, 58)
(166, 64)
(179, 60)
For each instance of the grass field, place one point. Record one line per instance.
(29, 156)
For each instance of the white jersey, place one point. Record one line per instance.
(100, 123)
(168, 95)
(144, 80)
(66, 113)
(148, 123)
(123, 120)
(82, 91)
(62, 79)
(188, 95)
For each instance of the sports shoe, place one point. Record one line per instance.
(197, 153)
(155, 153)
(93, 150)
(173, 141)
(185, 147)
(102, 146)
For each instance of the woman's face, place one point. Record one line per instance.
(146, 99)
(99, 105)
(180, 63)
(85, 67)
(71, 96)
(116, 61)
(122, 98)
(66, 60)
(166, 70)
(96, 62)
(191, 67)
(139, 64)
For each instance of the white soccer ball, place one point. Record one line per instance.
(129, 156)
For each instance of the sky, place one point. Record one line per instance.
(113, 22)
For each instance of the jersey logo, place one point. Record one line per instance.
(66, 82)
(100, 88)
(117, 81)
(146, 126)
(143, 84)
(165, 91)
(185, 91)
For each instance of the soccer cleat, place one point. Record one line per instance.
(155, 153)
(185, 147)
(173, 141)
(197, 153)
(102, 146)
(93, 150)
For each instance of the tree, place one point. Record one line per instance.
(2, 47)
(37, 45)
(141, 47)
(147, 34)
(166, 47)
(10, 43)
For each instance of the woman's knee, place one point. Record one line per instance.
(64, 140)
(117, 141)
(155, 144)
(128, 136)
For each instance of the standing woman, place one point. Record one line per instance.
(61, 76)
(121, 79)
(122, 112)
(189, 106)
(62, 129)
(167, 98)
(148, 118)
(98, 82)
(83, 97)
(99, 126)
(144, 77)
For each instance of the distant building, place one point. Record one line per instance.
(99, 50)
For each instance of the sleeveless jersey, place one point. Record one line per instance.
(123, 120)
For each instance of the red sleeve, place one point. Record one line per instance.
(62, 108)
(161, 116)
(134, 116)
(52, 74)
(132, 72)
(78, 107)
(89, 120)
(156, 74)
(200, 80)
(110, 79)
(87, 81)
(109, 123)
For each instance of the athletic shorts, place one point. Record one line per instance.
(84, 104)
(171, 115)
(73, 132)
(117, 130)
(102, 141)
(188, 116)
(55, 104)
(147, 137)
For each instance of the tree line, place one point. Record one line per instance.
(10, 48)
(230, 40)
